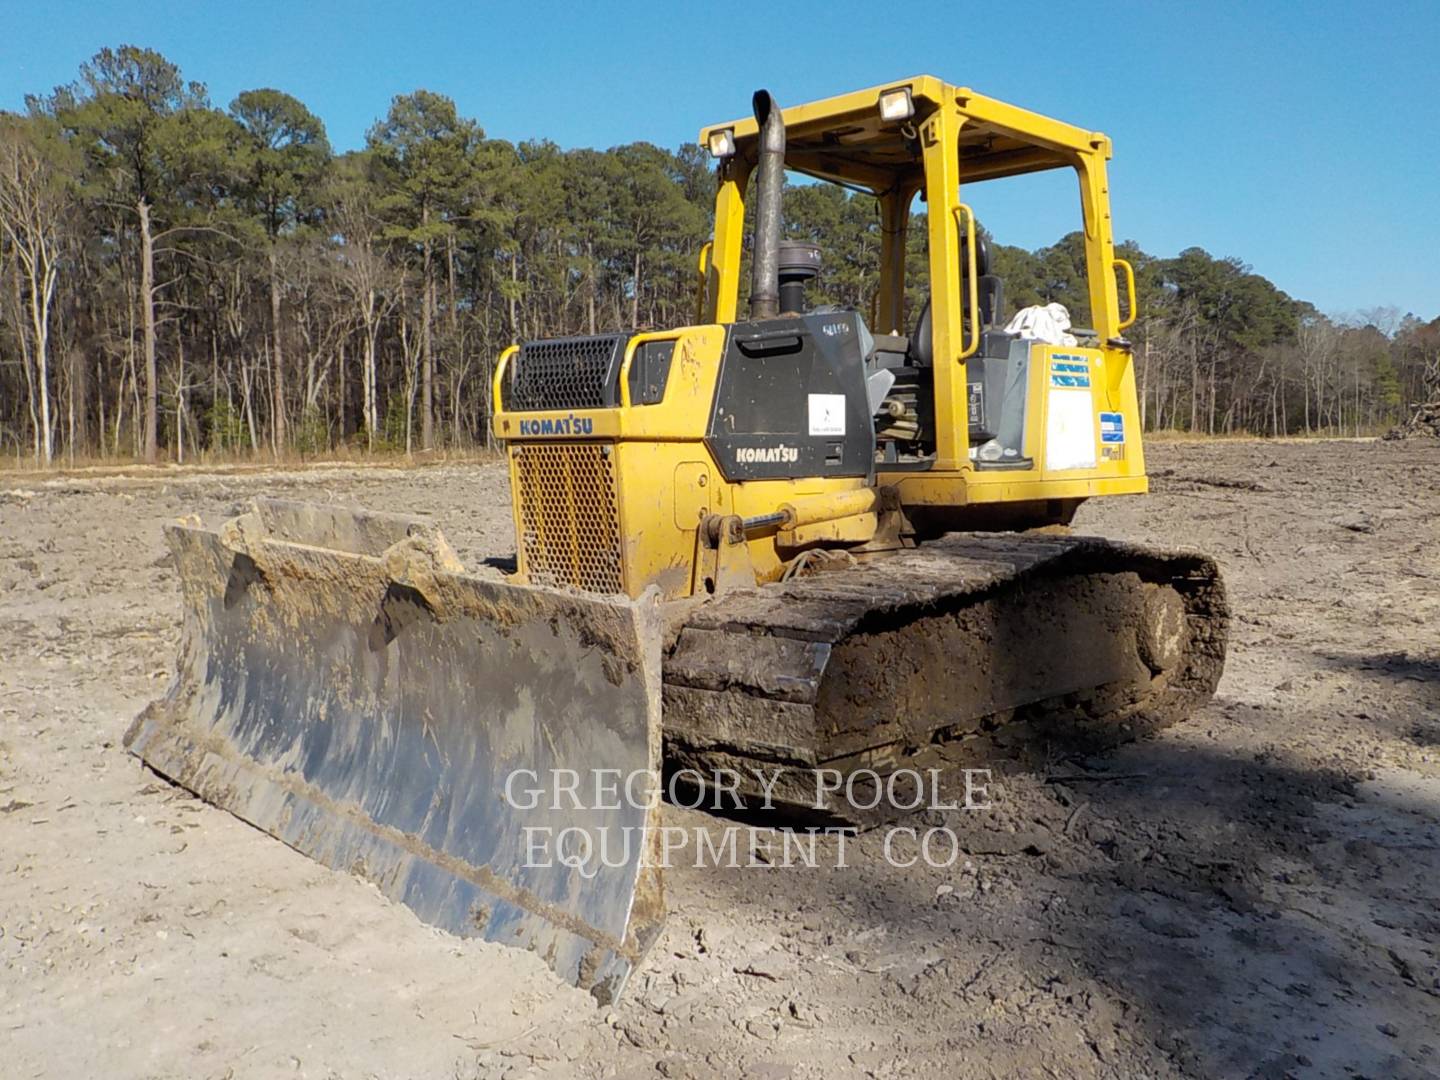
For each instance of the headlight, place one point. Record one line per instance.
(896, 105)
(722, 143)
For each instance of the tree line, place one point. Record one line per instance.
(179, 279)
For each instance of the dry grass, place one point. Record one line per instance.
(239, 464)
(1176, 437)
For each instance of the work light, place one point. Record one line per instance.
(722, 143)
(895, 105)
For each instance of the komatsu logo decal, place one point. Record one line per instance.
(766, 455)
(564, 425)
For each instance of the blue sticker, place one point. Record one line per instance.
(1069, 370)
(1112, 427)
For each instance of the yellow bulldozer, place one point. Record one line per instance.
(770, 552)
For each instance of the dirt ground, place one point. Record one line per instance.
(1255, 892)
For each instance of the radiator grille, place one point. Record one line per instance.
(566, 373)
(569, 516)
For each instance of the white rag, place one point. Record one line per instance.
(1050, 324)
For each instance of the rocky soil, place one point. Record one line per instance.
(1255, 892)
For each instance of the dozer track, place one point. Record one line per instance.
(973, 649)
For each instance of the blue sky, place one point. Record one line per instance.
(1304, 139)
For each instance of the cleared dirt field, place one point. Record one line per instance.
(1255, 892)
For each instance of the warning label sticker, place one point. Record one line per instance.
(1072, 372)
(827, 414)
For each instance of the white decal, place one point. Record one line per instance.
(1070, 430)
(827, 414)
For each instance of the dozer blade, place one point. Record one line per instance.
(344, 685)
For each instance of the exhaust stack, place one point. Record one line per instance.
(770, 185)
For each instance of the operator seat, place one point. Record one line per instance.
(995, 376)
(991, 292)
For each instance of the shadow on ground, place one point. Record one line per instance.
(1186, 908)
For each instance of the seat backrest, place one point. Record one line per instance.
(922, 348)
(991, 294)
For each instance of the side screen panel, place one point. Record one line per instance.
(791, 400)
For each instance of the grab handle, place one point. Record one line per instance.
(972, 279)
(497, 380)
(1129, 293)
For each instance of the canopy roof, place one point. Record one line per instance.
(844, 139)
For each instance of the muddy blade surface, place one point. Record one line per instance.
(366, 706)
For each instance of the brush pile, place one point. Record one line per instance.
(1424, 423)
